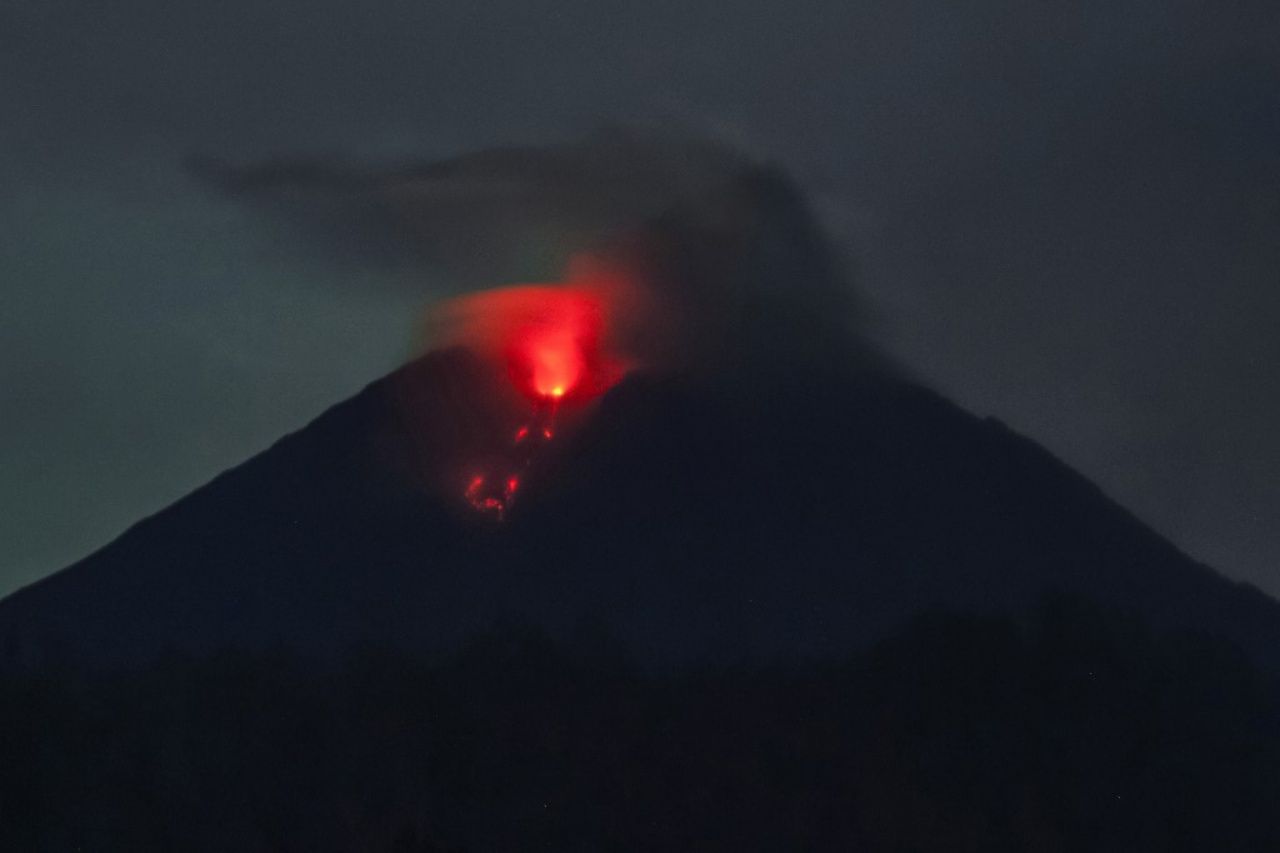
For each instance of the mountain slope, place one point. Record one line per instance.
(792, 517)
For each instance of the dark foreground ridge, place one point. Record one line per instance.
(1069, 731)
(815, 613)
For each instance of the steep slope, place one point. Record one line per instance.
(797, 517)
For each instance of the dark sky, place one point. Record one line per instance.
(1066, 214)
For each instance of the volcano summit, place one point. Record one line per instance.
(658, 556)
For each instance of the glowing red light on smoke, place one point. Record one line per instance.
(558, 346)
(554, 345)
(556, 342)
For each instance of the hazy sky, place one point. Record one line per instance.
(1067, 214)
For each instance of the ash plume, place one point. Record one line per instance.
(735, 268)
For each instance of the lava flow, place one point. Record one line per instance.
(555, 343)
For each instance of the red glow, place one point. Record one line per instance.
(558, 346)
(555, 341)
(487, 500)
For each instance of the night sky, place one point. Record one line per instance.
(1066, 215)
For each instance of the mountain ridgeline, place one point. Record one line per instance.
(791, 518)
(819, 611)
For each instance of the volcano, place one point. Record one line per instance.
(809, 612)
(660, 562)
(794, 517)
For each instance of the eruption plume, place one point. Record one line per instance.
(556, 341)
(647, 253)
(555, 344)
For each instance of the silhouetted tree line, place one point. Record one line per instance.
(1066, 730)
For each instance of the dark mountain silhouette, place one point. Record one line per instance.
(772, 518)
(764, 595)
(809, 611)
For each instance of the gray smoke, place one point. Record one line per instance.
(729, 247)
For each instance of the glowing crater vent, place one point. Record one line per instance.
(556, 343)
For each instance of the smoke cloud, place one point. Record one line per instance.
(732, 266)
